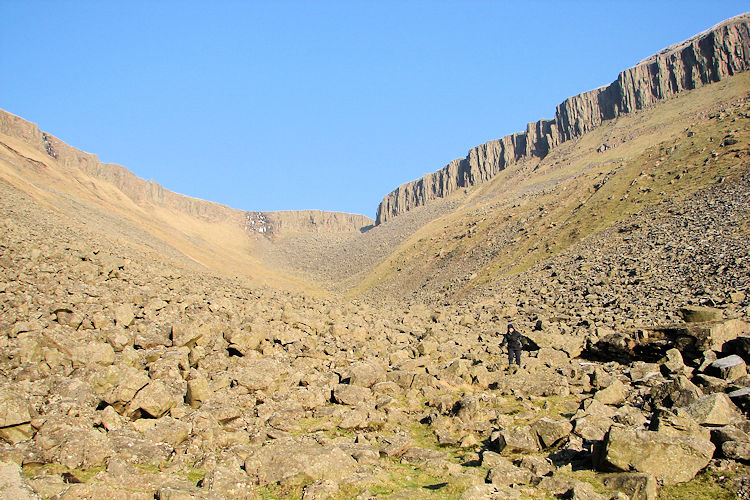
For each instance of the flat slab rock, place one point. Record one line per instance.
(11, 484)
(283, 460)
(670, 459)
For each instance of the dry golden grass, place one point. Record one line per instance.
(533, 211)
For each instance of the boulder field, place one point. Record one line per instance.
(126, 375)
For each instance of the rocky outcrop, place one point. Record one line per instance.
(304, 221)
(708, 57)
(146, 193)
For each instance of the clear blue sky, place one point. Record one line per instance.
(286, 105)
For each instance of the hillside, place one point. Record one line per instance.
(112, 200)
(458, 246)
(708, 57)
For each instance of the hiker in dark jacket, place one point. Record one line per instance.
(514, 340)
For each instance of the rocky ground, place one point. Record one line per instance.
(126, 374)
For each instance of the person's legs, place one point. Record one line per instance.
(517, 356)
(510, 357)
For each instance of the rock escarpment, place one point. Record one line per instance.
(708, 57)
(145, 192)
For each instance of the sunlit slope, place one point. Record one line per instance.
(536, 210)
(86, 200)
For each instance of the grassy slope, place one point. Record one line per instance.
(533, 211)
(223, 247)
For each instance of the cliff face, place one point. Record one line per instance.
(145, 192)
(708, 57)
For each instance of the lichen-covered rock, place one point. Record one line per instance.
(677, 392)
(700, 314)
(670, 459)
(283, 460)
(198, 390)
(12, 485)
(729, 368)
(551, 431)
(636, 485)
(714, 410)
(518, 439)
(614, 394)
(503, 472)
(154, 400)
(353, 395)
(15, 415)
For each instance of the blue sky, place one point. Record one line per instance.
(287, 105)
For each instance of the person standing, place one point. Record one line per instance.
(514, 341)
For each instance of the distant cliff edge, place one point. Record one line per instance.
(708, 57)
(144, 192)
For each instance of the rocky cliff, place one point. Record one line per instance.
(708, 57)
(145, 192)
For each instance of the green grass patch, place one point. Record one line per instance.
(706, 485)
(83, 475)
(309, 425)
(416, 482)
(290, 489)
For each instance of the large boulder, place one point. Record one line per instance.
(541, 384)
(72, 443)
(366, 374)
(519, 439)
(714, 410)
(154, 400)
(224, 481)
(12, 485)
(729, 368)
(636, 485)
(572, 345)
(198, 390)
(245, 339)
(593, 427)
(677, 422)
(124, 315)
(672, 362)
(258, 374)
(700, 314)
(118, 385)
(503, 472)
(15, 415)
(614, 394)
(287, 459)
(696, 338)
(670, 459)
(677, 392)
(93, 353)
(641, 371)
(353, 395)
(128, 444)
(551, 431)
(165, 430)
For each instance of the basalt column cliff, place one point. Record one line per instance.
(709, 57)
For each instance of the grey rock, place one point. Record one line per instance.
(283, 460)
(670, 459)
(12, 485)
(637, 486)
(714, 410)
(729, 368)
(518, 439)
